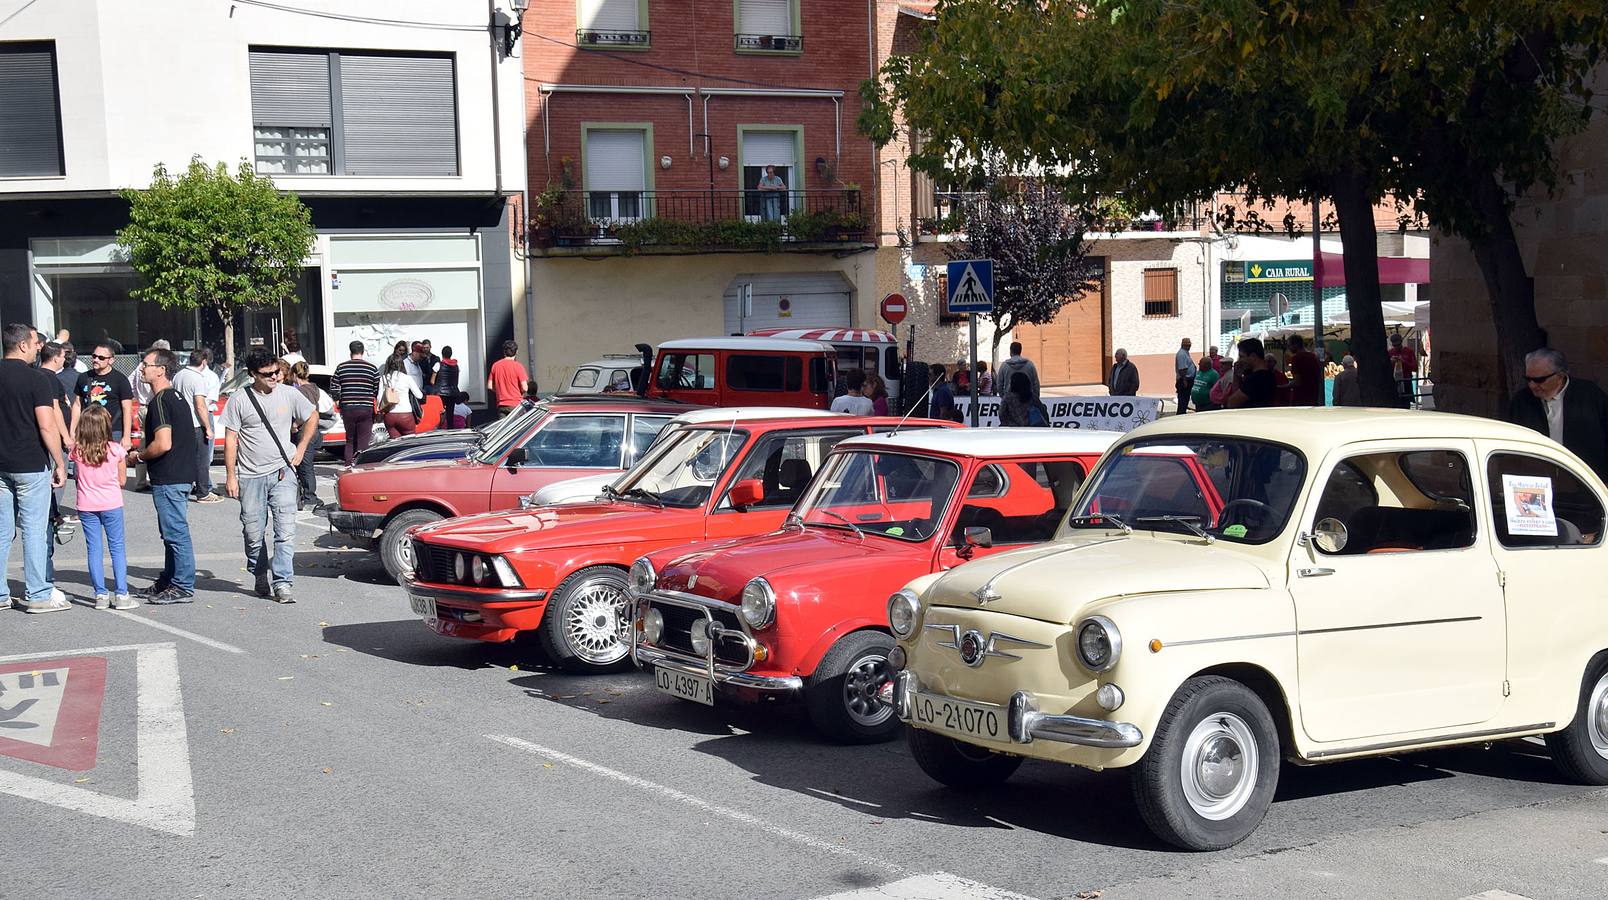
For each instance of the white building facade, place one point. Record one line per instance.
(399, 125)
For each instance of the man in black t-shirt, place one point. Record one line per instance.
(31, 466)
(169, 457)
(109, 388)
(1255, 388)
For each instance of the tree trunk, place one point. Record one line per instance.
(1360, 239)
(1508, 285)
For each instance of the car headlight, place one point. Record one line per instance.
(700, 637)
(759, 603)
(1099, 644)
(505, 572)
(460, 567)
(903, 608)
(642, 576)
(478, 570)
(653, 626)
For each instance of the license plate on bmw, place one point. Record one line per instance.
(423, 607)
(696, 688)
(982, 721)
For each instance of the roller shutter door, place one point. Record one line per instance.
(30, 127)
(765, 17)
(400, 115)
(1070, 349)
(609, 15)
(814, 300)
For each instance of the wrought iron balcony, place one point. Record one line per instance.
(772, 42)
(595, 37)
(704, 220)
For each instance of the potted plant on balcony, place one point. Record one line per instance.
(545, 212)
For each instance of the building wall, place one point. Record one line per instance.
(1151, 342)
(1562, 239)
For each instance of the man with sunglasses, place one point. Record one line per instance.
(259, 464)
(1572, 411)
(169, 457)
(107, 387)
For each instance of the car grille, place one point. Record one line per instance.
(433, 564)
(677, 636)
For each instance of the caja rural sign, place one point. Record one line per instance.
(1101, 413)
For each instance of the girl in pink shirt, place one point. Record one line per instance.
(102, 469)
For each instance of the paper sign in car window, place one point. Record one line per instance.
(1527, 500)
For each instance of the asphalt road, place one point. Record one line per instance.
(337, 748)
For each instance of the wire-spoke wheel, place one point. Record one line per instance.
(1580, 751)
(586, 619)
(848, 696)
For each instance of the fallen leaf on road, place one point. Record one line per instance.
(514, 668)
(209, 606)
(601, 700)
(80, 780)
(228, 731)
(614, 692)
(343, 649)
(286, 677)
(327, 770)
(325, 703)
(323, 624)
(1087, 895)
(547, 765)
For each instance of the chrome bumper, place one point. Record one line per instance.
(653, 656)
(707, 666)
(1026, 723)
(413, 586)
(356, 524)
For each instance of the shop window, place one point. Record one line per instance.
(30, 113)
(321, 112)
(1161, 293)
(1538, 503)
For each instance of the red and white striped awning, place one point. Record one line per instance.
(847, 335)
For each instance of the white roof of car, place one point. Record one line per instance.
(1315, 430)
(747, 343)
(989, 442)
(614, 360)
(748, 413)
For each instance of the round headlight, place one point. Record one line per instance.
(642, 576)
(653, 626)
(903, 607)
(700, 637)
(478, 570)
(460, 567)
(759, 603)
(1099, 644)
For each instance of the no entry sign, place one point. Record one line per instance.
(894, 309)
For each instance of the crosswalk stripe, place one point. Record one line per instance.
(1495, 895)
(936, 886)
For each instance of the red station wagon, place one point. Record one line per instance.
(561, 570)
(805, 609)
(562, 438)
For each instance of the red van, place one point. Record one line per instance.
(745, 371)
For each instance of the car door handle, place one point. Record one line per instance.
(1312, 573)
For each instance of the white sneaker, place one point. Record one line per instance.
(124, 601)
(56, 603)
(103, 601)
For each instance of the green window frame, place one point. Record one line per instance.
(605, 39)
(768, 45)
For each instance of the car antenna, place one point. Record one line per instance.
(914, 405)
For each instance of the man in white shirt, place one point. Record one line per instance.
(1016, 363)
(414, 365)
(197, 384)
(854, 403)
(1184, 368)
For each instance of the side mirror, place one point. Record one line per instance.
(978, 537)
(516, 458)
(1330, 535)
(746, 493)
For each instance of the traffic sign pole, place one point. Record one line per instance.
(971, 291)
(972, 375)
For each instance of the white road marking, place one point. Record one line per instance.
(934, 886)
(85, 651)
(188, 635)
(1495, 895)
(1603, 861)
(46, 688)
(165, 800)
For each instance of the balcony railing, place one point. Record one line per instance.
(606, 38)
(707, 220)
(944, 214)
(773, 42)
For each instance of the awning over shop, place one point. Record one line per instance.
(1392, 270)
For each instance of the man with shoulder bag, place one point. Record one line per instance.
(261, 470)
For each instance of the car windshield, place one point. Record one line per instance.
(683, 470)
(894, 495)
(508, 432)
(1235, 489)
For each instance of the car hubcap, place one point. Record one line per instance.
(1219, 766)
(1597, 717)
(864, 693)
(404, 553)
(594, 623)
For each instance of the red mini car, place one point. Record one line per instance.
(561, 570)
(805, 609)
(558, 439)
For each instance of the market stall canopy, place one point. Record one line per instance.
(1399, 314)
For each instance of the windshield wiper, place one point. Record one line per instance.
(794, 518)
(858, 533)
(1099, 520)
(645, 494)
(1190, 522)
(609, 492)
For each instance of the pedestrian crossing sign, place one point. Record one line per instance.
(971, 285)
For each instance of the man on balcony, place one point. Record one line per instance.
(774, 187)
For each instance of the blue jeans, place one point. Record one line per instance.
(25, 501)
(257, 496)
(111, 521)
(173, 523)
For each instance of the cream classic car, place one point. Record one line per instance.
(1345, 583)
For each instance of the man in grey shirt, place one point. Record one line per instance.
(260, 467)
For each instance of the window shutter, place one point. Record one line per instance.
(769, 148)
(30, 124)
(609, 15)
(290, 89)
(615, 161)
(399, 115)
(1161, 292)
(765, 17)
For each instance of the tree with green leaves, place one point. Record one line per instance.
(217, 241)
(1431, 102)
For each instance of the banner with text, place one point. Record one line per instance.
(1102, 413)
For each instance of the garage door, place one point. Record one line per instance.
(789, 300)
(1071, 349)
